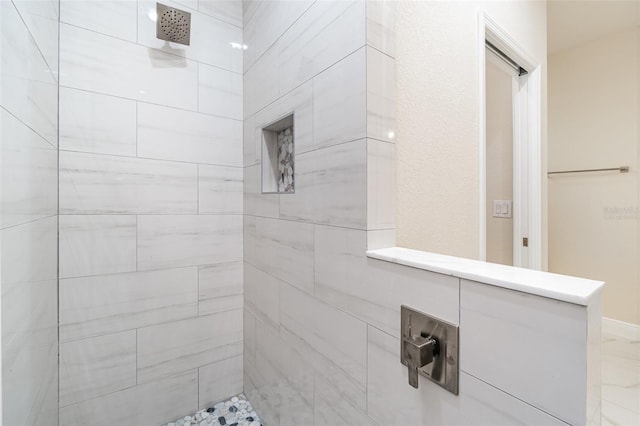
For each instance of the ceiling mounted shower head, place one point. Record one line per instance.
(173, 24)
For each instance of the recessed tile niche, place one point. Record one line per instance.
(278, 157)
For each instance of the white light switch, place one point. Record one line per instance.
(502, 208)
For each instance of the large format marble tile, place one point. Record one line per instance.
(96, 244)
(103, 184)
(517, 323)
(29, 87)
(615, 415)
(329, 407)
(219, 380)
(621, 373)
(42, 24)
(284, 250)
(262, 295)
(251, 142)
(296, 392)
(44, 8)
(213, 42)
(191, 4)
(261, 83)
(330, 187)
(265, 22)
(312, 324)
(220, 288)
(381, 95)
(34, 251)
(91, 122)
(620, 380)
(264, 380)
(174, 347)
(97, 366)
(173, 134)
(220, 189)
(229, 11)
(340, 101)
(280, 384)
(99, 63)
(381, 25)
(152, 403)
(249, 332)
(300, 103)
(595, 364)
(115, 18)
(29, 320)
(373, 290)
(166, 241)
(104, 304)
(29, 353)
(381, 185)
(326, 33)
(254, 201)
(219, 91)
(249, 238)
(29, 174)
(346, 388)
(390, 399)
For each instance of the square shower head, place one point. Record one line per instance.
(173, 24)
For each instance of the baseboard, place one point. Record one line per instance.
(621, 329)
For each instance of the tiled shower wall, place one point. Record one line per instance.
(29, 206)
(331, 65)
(151, 182)
(322, 320)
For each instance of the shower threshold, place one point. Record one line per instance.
(236, 411)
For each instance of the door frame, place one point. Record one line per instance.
(527, 145)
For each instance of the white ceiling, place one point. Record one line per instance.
(572, 22)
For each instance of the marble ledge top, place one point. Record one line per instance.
(579, 291)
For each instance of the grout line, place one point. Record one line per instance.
(29, 221)
(380, 51)
(57, 217)
(150, 47)
(366, 369)
(137, 131)
(278, 38)
(145, 102)
(34, 41)
(305, 81)
(285, 219)
(150, 159)
(366, 131)
(137, 355)
(34, 130)
(146, 270)
(136, 242)
(155, 324)
(513, 396)
(114, 213)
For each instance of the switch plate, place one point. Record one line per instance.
(502, 208)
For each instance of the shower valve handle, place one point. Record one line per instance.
(418, 352)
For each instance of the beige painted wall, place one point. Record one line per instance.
(437, 116)
(499, 160)
(593, 123)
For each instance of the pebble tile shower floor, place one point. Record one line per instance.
(236, 411)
